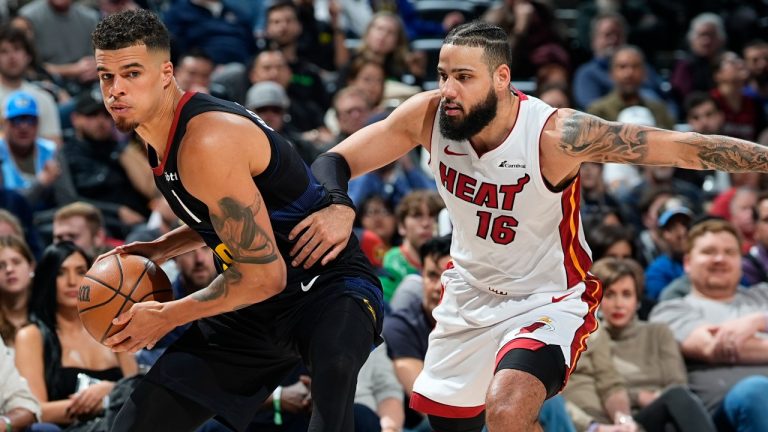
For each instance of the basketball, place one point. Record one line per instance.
(113, 285)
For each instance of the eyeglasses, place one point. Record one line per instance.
(23, 120)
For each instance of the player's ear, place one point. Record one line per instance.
(502, 77)
(167, 71)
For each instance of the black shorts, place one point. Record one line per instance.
(231, 362)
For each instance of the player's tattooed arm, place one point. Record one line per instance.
(593, 139)
(248, 243)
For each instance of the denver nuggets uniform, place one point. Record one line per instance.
(519, 277)
(231, 362)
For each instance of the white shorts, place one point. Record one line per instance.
(475, 328)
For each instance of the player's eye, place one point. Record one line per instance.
(105, 77)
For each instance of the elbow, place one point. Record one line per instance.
(275, 280)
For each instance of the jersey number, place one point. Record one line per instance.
(500, 227)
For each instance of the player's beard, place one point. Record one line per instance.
(477, 118)
(125, 126)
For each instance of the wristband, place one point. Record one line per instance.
(7, 421)
(276, 395)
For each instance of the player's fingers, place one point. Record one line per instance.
(301, 242)
(316, 254)
(115, 251)
(306, 222)
(123, 318)
(305, 251)
(334, 252)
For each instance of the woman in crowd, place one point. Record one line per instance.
(646, 354)
(17, 268)
(67, 370)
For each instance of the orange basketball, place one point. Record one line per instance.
(113, 285)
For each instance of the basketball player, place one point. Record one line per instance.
(239, 187)
(519, 302)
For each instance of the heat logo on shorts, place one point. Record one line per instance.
(543, 323)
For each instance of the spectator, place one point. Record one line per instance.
(368, 76)
(555, 95)
(353, 109)
(30, 164)
(284, 29)
(82, 224)
(596, 199)
(62, 30)
(193, 71)
(530, 24)
(221, 29)
(269, 100)
(755, 262)
(744, 115)
(613, 241)
(16, 56)
(721, 329)
(100, 165)
(416, 222)
(704, 116)
(592, 80)
(377, 215)
(386, 42)
(378, 395)
(674, 219)
(18, 407)
(737, 205)
(17, 268)
(628, 73)
(649, 243)
(15, 211)
(54, 349)
(646, 354)
(706, 38)
(110, 7)
(418, 28)
(306, 115)
(597, 397)
(756, 59)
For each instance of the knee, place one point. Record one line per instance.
(514, 399)
(749, 394)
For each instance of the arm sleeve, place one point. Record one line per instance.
(670, 358)
(333, 172)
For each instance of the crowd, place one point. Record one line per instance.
(683, 254)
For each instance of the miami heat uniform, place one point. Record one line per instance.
(519, 277)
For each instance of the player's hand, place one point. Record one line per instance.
(296, 398)
(89, 401)
(146, 249)
(327, 233)
(146, 324)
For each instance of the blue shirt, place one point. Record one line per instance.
(13, 178)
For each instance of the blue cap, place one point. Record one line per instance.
(20, 103)
(667, 215)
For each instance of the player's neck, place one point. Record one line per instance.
(155, 131)
(499, 128)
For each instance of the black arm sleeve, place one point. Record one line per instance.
(333, 172)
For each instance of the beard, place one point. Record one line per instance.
(477, 118)
(125, 126)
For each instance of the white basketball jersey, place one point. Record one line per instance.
(512, 235)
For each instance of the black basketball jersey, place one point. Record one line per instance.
(289, 189)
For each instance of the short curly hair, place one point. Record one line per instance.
(131, 28)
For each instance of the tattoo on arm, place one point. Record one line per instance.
(727, 154)
(219, 287)
(594, 139)
(247, 241)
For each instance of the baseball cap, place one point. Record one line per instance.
(666, 216)
(266, 93)
(638, 115)
(89, 103)
(20, 103)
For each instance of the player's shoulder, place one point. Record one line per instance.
(220, 131)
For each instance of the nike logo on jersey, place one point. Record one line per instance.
(306, 287)
(453, 153)
(561, 298)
